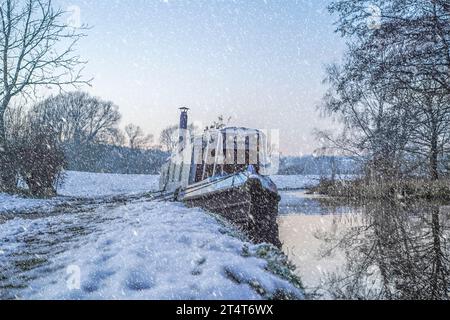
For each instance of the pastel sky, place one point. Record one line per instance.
(260, 62)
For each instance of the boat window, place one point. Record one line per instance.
(192, 167)
(218, 169)
(258, 152)
(166, 175)
(253, 151)
(224, 152)
(173, 168)
(210, 159)
(181, 172)
(240, 151)
(263, 155)
(209, 166)
(230, 154)
(247, 150)
(200, 160)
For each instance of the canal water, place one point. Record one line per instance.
(375, 250)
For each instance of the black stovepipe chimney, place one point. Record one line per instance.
(183, 124)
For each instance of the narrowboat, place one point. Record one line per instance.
(225, 171)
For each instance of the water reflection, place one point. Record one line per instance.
(397, 252)
(299, 201)
(383, 250)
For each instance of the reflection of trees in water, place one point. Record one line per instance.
(392, 252)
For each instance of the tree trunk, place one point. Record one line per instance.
(434, 152)
(439, 276)
(7, 175)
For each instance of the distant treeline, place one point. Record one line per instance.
(324, 165)
(106, 158)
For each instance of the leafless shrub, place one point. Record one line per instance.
(37, 49)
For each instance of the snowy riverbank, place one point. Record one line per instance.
(95, 185)
(138, 250)
(83, 184)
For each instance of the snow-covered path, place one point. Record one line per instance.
(138, 250)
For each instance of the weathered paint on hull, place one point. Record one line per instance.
(250, 207)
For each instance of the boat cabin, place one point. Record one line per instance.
(216, 153)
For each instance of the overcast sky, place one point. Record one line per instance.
(260, 62)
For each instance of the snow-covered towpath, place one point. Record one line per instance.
(136, 250)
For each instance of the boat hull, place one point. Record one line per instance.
(251, 207)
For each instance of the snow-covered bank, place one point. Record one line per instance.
(95, 185)
(9, 203)
(137, 251)
(84, 184)
(81, 185)
(295, 182)
(298, 182)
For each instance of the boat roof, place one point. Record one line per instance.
(239, 130)
(230, 131)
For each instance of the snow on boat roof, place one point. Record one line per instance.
(240, 129)
(233, 130)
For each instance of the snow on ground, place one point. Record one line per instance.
(83, 184)
(150, 250)
(11, 204)
(138, 250)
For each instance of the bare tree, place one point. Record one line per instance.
(418, 32)
(220, 123)
(430, 135)
(376, 127)
(37, 49)
(79, 118)
(168, 138)
(401, 65)
(137, 139)
(40, 160)
(34, 149)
